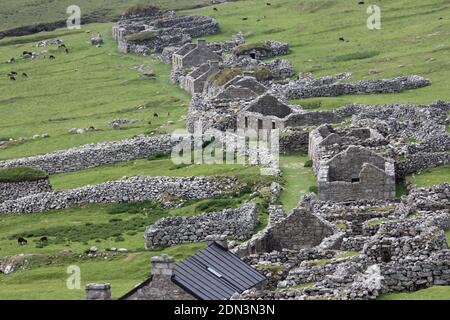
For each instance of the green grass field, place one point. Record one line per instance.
(298, 179)
(90, 86)
(20, 13)
(430, 177)
(87, 87)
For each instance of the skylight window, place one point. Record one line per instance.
(214, 272)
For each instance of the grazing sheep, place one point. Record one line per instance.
(52, 57)
(24, 75)
(22, 241)
(11, 60)
(155, 115)
(43, 240)
(97, 40)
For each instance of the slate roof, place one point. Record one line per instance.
(215, 274)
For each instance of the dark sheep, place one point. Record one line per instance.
(52, 57)
(341, 39)
(67, 51)
(361, 2)
(268, 3)
(155, 115)
(215, 9)
(43, 240)
(12, 78)
(22, 241)
(245, 18)
(24, 75)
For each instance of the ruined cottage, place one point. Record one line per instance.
(242, 87)
(212, 274)
(195, 81)
(326, 141)
(301, 229)
(155, 29)
(193, 55)
(268, 112)
(354, 174)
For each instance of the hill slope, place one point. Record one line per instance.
(20, 13)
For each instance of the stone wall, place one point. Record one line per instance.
(235, 223)
(293, 141)
(419, 161)
(354, 174)
(94, 155)
(168, 190)
(309, 88)
(15, 190)
(417, 273)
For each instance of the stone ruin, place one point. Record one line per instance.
(356, 173)
(299, 230)
(269, 112)
(194, 55)
(398, 247)
(155, 29)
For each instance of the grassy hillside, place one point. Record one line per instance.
(19, 13)
(90, 86)
(413, 40)
(87, 87)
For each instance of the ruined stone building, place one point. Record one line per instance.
(268, 112)
(212, 274)
(193, 55)
(195, 81)
(155, 29)
(326, 141)
(300, 230)
(354, 174)
(243, 87)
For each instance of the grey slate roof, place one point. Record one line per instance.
(215, 274)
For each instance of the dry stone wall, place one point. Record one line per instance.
(309, 88)
(236, 223)
(15, 190)
(94, 155)
(135, 189)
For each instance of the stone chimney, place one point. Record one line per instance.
(162, 266)
(98, 291)
(201, 43)
(221, 240)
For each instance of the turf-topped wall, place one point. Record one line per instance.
(20, 182)
(94, 155)
(168, 190)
